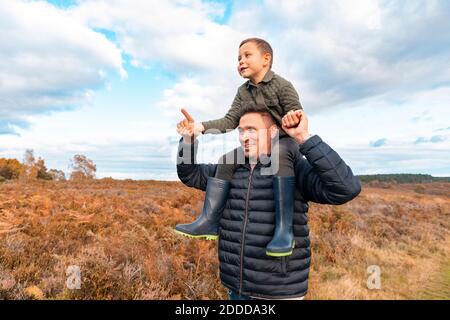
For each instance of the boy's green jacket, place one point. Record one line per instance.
(277, 93)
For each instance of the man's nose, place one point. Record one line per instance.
(243, 138)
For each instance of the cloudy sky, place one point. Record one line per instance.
(106, 78)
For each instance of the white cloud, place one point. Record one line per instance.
(336, 54)
(179, 34)
(351, 130)
(429, 159)
(48, 60)
(183, 37)
(204, 100)
(341, 51)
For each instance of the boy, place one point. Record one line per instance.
(282, 101)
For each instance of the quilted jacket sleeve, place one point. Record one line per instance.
(323, 177)
(190, 173)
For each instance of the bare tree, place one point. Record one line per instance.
(34, 168)
(82, 168)
(28, 158)
(29, 162)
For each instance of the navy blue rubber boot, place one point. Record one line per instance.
(282, 243)
(207, 224)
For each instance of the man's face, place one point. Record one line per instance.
(255, 135)
(251, 61)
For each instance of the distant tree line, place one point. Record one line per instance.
(402, 178)
(32, 168)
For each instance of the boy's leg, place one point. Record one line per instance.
(285, 153)
(227, 164)
(217, 188)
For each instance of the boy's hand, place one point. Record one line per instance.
(188, 128)
(291, 119)
(295, 124)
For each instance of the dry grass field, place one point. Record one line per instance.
(119, 234)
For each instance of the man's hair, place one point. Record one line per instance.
(263, 47)
(258, 108)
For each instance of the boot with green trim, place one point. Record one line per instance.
(207, 224)
(283, 243)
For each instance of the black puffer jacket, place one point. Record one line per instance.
(248, 221)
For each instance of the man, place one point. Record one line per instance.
(248, 220)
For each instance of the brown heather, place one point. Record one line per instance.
(120, 235)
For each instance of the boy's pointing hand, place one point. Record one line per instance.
(188, 128)
(187, 115)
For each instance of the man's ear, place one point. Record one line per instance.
(273, 131)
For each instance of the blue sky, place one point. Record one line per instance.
(107, 78)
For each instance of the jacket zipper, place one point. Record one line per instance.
(243, 231)
(283, 265)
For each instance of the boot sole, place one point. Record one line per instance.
(202, 236)
(281, 254)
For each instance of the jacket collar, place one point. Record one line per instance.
(267, 77)
(267, 163)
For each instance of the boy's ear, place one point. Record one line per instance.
(268, 58)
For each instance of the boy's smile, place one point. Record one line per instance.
(252, 64)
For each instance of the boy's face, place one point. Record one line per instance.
(251, 62)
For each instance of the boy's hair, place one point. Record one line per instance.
(263, 46)
(258, 108)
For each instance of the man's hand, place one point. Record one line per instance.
(188, 128)
(295, 124)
